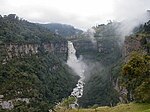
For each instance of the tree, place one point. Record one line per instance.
(136, 77)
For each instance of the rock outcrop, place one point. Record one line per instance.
(135, 43)
(12, 50)
(139, 43)
(131, 44)
(9, 104)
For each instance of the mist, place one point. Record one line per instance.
(90, 35)
(76, 64)
(130, 14)
(127, 26)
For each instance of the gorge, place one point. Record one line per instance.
(39, 68)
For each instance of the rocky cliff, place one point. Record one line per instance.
(33, 74)
(134, 43)
(84, 47)
(12, 50)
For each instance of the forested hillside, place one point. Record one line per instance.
(15, 29)
(66, 31)
(99, 87)
(122, 73)
(32, 77)
(135, 75)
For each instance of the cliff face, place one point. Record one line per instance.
(139, 43)
(84, 45)
(100, 58)
(31, 66)
(33, 72)
(98, 47)
(20, 50)
(136, 43)
(131, 44)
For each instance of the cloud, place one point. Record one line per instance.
(130, 9)
(131, 14)
(80, 13)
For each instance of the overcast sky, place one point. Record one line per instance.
(80, 13)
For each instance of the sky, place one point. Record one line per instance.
(79, 13)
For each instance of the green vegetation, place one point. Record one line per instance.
(43, 78)
(68, 101)
(14, 29)
(66, 31)
(132, 107)
(136, 77)
(135, 74)
(85, 48)
(99, 89)
(65, 104)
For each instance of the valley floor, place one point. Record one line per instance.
(132, 107)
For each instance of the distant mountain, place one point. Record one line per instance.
(63, 29)
(16, 30)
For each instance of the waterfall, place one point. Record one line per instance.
(79, 67)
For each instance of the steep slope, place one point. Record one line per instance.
(42, 79)
(33, 76)
(135, 72)
(128, 75)
(14, 29)
(101, 56)
(113, 82)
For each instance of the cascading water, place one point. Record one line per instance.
(79, 67)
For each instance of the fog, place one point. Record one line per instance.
(128, 25)
(76, 64)
(90, 34)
